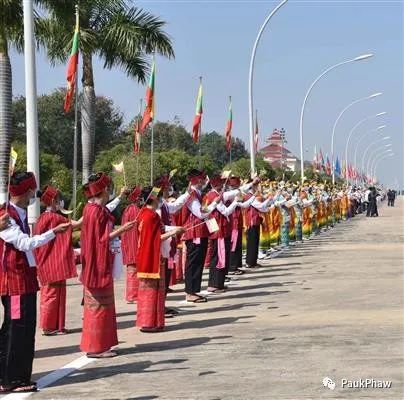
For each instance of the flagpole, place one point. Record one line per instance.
(75, 134)
(152, 132)
(230, 131)
(200, 133)
(138, 139)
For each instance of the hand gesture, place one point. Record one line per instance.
(62, 227)
(128, 226)
(180, 230)
(124, 191)
(4, 222)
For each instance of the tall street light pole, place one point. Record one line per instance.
(352, 132)
(31, 103)
(359, 58)
(378, 160)
(363, 137)
(250, 84)
(373, 154)
(335, 126)
(365, 153)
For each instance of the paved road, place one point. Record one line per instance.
(331, 307)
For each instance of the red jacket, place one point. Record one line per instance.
(16, 276)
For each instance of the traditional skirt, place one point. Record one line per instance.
(306, 223)
(151, 301)
(132, 283)
(285, 234)
(298, 229)
(179, 273)
(99, 320)
(265, 235)
(53, 306)
(275, 236)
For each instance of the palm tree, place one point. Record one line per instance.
(117, 33)
(11, 33)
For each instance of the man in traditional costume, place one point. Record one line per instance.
(129, 242)
(56, 264)
(18, 286)
(196, 235)
(253, 219)
(99, 319)
(151, 265)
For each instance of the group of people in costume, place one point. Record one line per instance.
(164, 238)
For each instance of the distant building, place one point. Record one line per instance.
(277, 155)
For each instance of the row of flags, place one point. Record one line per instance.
(149, 112)
(322, 164)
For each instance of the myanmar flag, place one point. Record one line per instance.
(198, 116)
(72, 67)
(148, 114)
(228, 128)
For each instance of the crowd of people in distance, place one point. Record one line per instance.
(223, 223)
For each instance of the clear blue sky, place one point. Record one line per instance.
(214, 39)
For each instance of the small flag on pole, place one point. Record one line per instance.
(118, 168)
(226, 174)
(148, 114)
(212, 225)
(72, 66)
(13, 160)
(136, 139)
(256, 133)
(198, 115)
(172, 173)
(229, 127)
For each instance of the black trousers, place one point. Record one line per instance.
(196, 254)
(168, 275)
(17, 341)
(236, 256)
(218, 275)
(390, 203)
(253, 241)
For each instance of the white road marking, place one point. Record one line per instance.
(53, 377)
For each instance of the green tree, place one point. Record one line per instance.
(242, 168)
(120, 35)
(11, 34)
(55, 128)
(51, 169)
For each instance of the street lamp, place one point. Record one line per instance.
(359, 58)
(335, 126)
(381, 154)
(351, 133)
(368, 147)
(250, 83)
(377, 161)
(363, 137)
(374, 154)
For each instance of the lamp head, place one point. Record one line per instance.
(382, 113)
(375, 95)
(380, 127)
(363, 57)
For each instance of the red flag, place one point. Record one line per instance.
(229, 127)
(198, 115)
(148, 114)
(256, 133)
(136, 144)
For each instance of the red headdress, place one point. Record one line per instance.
(134, 194)
(163, 182)
(216, 181)
(48, 195)
(29, 183)
(91, 189)
(194, 176)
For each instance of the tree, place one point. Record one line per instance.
(55, 128)
(11, 33)
(120, 35)
(242, 168)
(51, 169)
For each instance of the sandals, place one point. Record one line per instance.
(105, 354)
(50, 333)
(199, 299)
(217, 290)
(151, 330)
(19, 388)
(236, 272)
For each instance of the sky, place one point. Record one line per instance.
(214, 39)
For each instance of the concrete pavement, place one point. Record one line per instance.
(330, 307)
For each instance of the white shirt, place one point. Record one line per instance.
(195, 207)
(262, 206)
(176, 205)
(112, 205)
(226, 211)
(21, 241)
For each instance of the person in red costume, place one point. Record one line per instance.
(151, 265)
(56, 263)
(129, 245)
(19, 285)
(99, 319)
